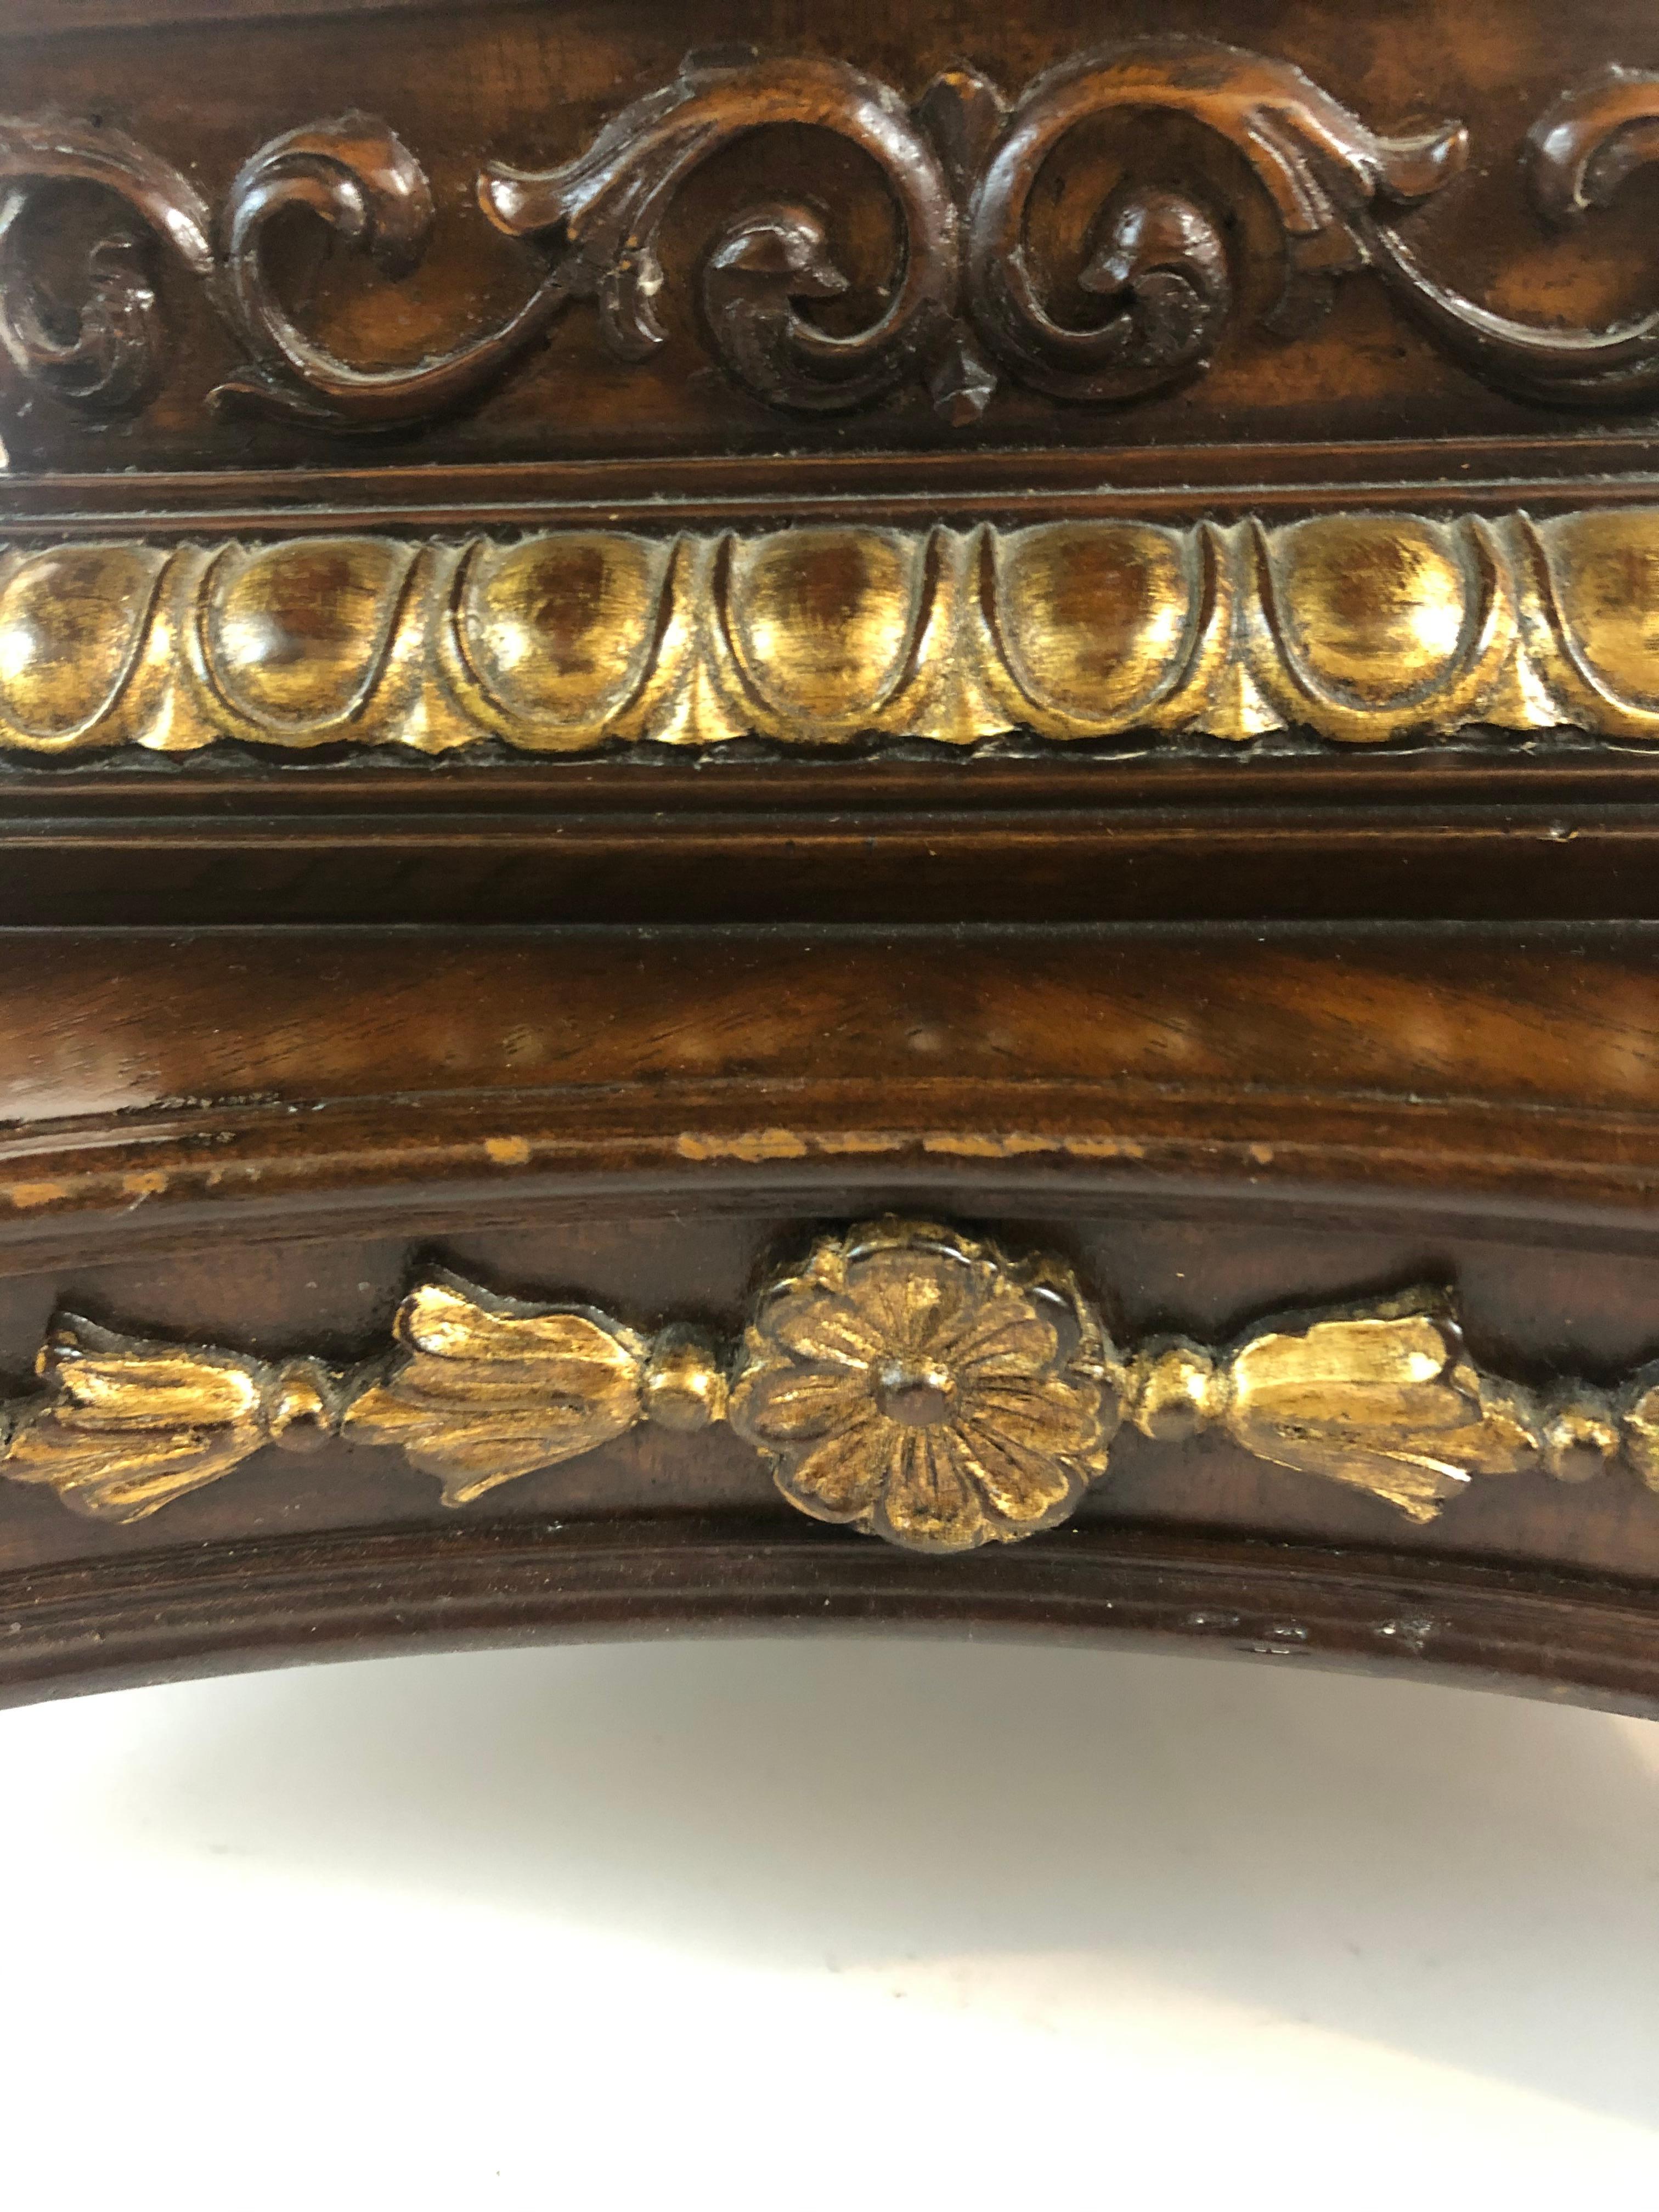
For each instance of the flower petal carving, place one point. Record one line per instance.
(920, 1386)
(1380, 619)
(74, 623)
(296, 637)
(483, 1390)
(823, 622)
(1096, 618)
(554, 636)
(1390, 1403)
(1599, 586)
(126, 1425)
(1385, 1399)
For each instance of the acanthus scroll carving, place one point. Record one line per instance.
(907, 1380)
(970, 297)
(600, 216)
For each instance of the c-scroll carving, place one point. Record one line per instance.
(351, 173)
(111, 353)
(1579, 152)
(601, 215)
(361, 178)
(964, 299)
(1158, 256)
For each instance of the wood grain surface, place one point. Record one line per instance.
(1234, 1032)
(530, 85)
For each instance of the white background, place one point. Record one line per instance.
(826, 1923)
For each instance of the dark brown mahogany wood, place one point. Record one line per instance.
(1471, 834)
(1230, 1027)
(299, 1602)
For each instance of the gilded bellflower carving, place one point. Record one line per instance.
(1386, 1401)
(482, 1390)
(906, 1380)
(123, 1425)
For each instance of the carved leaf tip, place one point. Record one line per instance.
(484, 1389)
(124, 1424)
(1419, 165)
(1383, 1399)
(1588, 142)
(962, 112)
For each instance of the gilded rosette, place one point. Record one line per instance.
(919, 1386)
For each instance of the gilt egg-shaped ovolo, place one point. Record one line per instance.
(73, 622)
(295, 637)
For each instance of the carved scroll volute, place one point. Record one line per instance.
(1579, 152)
(601, 214)
(112, 352)
(359, 177)
(1160, 253)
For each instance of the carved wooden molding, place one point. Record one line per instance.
(967, 300)
(907, 1381)
(1358, 628)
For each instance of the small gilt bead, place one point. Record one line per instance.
(1175, 1392)
(1580, 1442)
(302, 1413)
(683, 1385)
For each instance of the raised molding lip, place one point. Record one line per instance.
(1179, 484)
(1367, 1119)
(42, 18)
(167, 1614)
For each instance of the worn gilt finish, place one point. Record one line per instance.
(921, 1387)
(1385, 1399)
(966, 299)
(1360, 628)
(123, 1426)
(908, 1381)
(603, 655)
